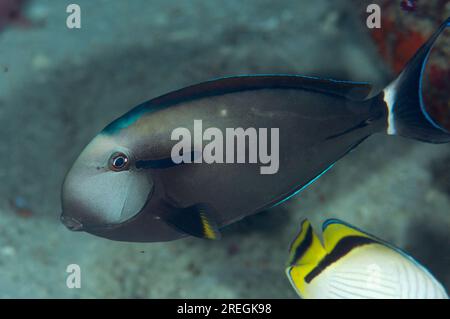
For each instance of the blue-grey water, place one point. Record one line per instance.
(60, 86)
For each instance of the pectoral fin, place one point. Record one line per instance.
(196, 220)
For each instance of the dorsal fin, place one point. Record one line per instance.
(345, 89)
(353, 90)
(334, 230)
(305, 253)
(306, 247)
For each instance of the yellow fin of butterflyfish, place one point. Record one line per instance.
(334, 230)
(306, 247)
(305, 253)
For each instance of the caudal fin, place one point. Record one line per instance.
(407, 113)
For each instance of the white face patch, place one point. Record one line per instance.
(93, 193)
(109, 197)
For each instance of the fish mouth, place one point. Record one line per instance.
(71, 223)
(94, 226)
(74, 224)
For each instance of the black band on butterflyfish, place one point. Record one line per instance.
(304, 246)
(343, 247)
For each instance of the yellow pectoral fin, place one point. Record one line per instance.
(209, 230)
(196, 220)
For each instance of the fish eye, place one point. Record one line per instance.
(118, 162)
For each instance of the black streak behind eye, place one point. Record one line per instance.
(162, 163)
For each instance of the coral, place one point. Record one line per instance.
(11, 12)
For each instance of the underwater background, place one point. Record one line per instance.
(59, 87)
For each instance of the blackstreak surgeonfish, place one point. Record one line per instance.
(352, 264)
(127, 186)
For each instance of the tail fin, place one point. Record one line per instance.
(407, 115)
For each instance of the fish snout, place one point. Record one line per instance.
(71, 223)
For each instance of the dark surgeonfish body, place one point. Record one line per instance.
(126, 186)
